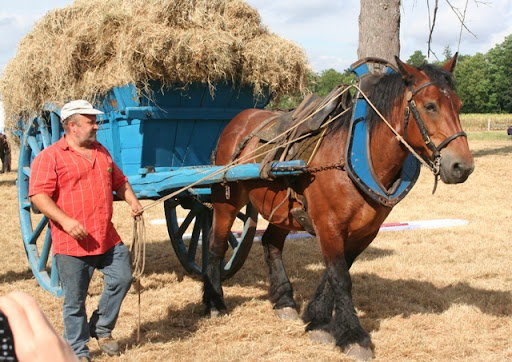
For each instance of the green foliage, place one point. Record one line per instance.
(329, 79)
(473, 84)
(484, 81)
(447, 52)
(499, 60)
(321, 84)
(417, 59)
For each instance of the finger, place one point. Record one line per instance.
(80, 232)
(18, 319)
(35, 315)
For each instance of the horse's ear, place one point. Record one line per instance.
(450, 65)
(408, 71)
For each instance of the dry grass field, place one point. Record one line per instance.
(424, 295)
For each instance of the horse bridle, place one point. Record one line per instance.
(435, 161)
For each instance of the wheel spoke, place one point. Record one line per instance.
(192, 248)
(43, 259)
(206, 225)
(232, 240)
(34, 145)
(54, 279)
(26, 171)
(186, 223)
(45, 135)
(242, 216)
(38, 230)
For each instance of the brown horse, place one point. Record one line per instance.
(344, 219)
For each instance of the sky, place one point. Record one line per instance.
(326, 29)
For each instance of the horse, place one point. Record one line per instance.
(420, 105)
(5, 154)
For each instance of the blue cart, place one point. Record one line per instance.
(161, 144)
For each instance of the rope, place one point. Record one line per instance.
(138, 246)
(398, 137)
(138, 255)
(250, 155)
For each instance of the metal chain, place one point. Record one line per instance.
(334, 166)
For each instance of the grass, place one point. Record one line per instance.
(424, 295)
(500, 135)
(491, 121)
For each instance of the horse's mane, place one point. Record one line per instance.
(391, 87)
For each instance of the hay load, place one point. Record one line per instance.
(91, 46)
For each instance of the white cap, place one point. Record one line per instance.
(77, 107)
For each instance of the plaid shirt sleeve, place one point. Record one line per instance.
(43, 178)
(118, 177)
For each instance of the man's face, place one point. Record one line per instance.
(84, 128)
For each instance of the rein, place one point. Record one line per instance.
(435, 161)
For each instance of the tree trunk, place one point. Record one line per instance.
(379, 29)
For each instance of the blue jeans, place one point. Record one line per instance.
(75, 275)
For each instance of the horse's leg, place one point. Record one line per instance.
(7, 160)
(335, 293)
(280, 289)
(345, 326)
(318, 313)
(224, 214)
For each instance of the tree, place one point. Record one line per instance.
(473, 85)
(447, 52)
(379, 29)
(417, 59)
(329, 79)
(499, 72)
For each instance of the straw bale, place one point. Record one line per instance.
(85, 49)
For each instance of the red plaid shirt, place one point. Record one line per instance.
(83, 190)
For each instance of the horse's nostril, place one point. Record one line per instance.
(456, 168)
(461, 170)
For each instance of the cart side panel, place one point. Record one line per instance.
(172, 128)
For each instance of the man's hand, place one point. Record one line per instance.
(74, 229)
(48, 207)
(137, 209)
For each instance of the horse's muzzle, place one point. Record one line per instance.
(455, 169)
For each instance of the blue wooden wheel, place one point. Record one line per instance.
(38, 134)
(192, 248)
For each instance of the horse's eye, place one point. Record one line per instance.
(431, 107)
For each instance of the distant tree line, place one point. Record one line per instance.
(483, 81)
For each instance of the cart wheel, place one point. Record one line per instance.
(37, 241)
(199, 219)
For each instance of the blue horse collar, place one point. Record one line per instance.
(357, 156)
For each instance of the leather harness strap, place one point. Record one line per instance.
(435, 161)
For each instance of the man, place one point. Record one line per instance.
(72, 182)
(5, 154)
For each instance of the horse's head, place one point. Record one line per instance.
(432, 125)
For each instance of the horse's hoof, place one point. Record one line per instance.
(321, 336)
(359, 353)
(286, 313)
(215, 313)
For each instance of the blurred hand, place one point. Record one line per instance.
(35, 340)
